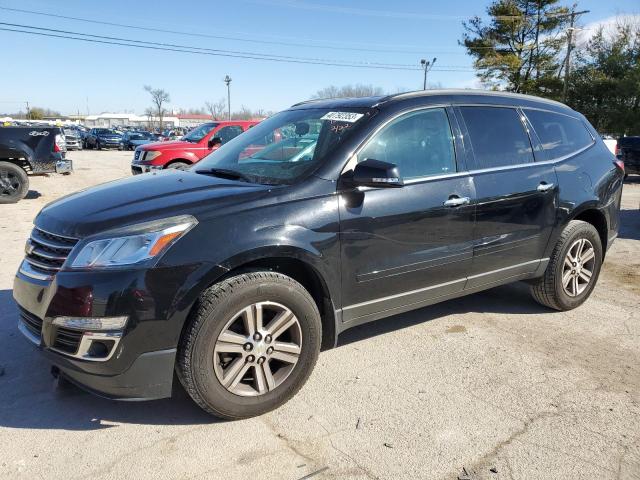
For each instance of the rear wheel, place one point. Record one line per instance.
(251, 344)
(573, 268)
(14, 183)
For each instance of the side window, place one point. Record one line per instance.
(228, 133)
(497, 136)
(419, 143)
(560, 134)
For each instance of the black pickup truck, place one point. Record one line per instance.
(29, 151)
(628, 150)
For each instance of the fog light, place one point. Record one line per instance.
(91, 323)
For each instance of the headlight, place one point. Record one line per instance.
(151, 154)
(133, 245)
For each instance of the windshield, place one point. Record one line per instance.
(287, 146)
(137, 136)
(199, 132)
(106, 131)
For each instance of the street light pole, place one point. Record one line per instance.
(426, 66)
(227, 80)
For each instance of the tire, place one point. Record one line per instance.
(197, 360)
(98, 146)
(549, 290)
(179, 165)
(14, 183)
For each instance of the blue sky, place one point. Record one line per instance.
(62, 74)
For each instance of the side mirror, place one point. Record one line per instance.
(214, 141)
(375, 173)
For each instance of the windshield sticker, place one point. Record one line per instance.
(350, 117)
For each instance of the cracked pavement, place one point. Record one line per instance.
(492, 381)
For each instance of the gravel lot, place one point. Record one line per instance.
(492, 383)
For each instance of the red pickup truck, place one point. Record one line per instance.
(190, 149)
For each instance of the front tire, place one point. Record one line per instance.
(251, 343)
(14, 183)
(573, 268)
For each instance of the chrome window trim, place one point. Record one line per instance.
(425, 289)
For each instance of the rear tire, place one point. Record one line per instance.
(14, 183)
(203, 369)
(573, 268)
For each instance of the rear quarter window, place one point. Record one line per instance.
(559, 134)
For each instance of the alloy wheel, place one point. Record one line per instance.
(9, 183)
(257, 349)
(578, 267)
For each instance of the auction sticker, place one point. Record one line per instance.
(350, 117)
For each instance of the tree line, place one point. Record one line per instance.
(528, 46)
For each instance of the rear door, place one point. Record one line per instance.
(403, 247)
(516, 195)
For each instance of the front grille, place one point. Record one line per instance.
(31, 322)
(139, 155)
(67, 340)
(47, 252)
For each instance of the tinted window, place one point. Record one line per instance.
(560, 134)
(419, 143)
(228, 133)
(497, 136)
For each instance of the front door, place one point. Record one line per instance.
(403, 247)
(516, 196)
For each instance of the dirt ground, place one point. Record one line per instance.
(491, 383)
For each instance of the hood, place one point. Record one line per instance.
(108, 135)
(139, 142)
(171, 145)
(142, 198)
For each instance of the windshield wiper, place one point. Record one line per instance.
(226, 173)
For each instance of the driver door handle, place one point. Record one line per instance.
(455, 201)
(544, 187)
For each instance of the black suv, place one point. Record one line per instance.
(331, 214)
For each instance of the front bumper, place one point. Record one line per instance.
(141, 364)
(64, 166)
(137, 169)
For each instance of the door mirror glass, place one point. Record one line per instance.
(375, 173)
(215, 142)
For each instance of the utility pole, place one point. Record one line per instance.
(426, 66)
(567, 59)
(227, 80)
(28, 111)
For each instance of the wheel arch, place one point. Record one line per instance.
(598, 219)
(177, 160)
(291, 261)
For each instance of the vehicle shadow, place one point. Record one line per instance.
(513, 299)
(630, 224)
(31, 398)
(32, 195)
(632, 179)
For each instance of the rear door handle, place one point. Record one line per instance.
(456, 201)
(544, 187)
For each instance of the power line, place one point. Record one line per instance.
(402, 49)
(189, 47)
(100, 39)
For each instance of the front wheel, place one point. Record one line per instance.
(179, 166)
(251, 344)
(14, 183)
(573, 268)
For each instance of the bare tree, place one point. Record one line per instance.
(217, 109)
(346, 91)
(158, 97)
